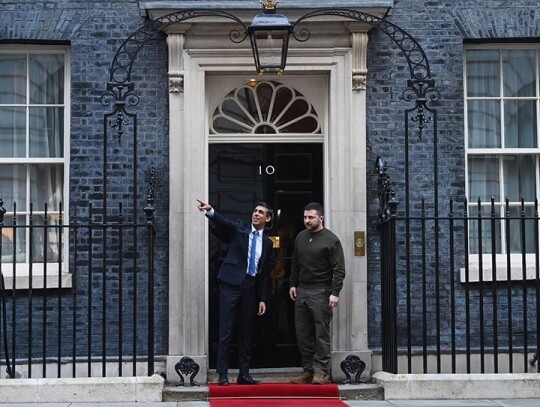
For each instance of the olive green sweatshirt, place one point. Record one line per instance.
(318, 261)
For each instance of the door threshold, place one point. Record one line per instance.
(262, 370)
(265, 374)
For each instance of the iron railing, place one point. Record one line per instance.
(460, 290)
(77, 297)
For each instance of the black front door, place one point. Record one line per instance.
(287, 177)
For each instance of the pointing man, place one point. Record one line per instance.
(243, 284)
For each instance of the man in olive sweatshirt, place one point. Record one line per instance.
(317, 274)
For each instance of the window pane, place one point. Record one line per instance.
(13, 186)
(13, 79)
(12, 234)
(519, 177)
(46, 245)
(483, 178)
(483, 77)
(12, 132)
(236, 117)
(520, 123)
(46, 183)
(46, 132)
(519, 72)
(47, 79)
(484, 123)
(7, 245)
(283, 97)
(517, 225)
(485, 223)
(224, 125)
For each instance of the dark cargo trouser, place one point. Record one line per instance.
(312, 317)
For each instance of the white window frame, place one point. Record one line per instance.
(501, 259)
(23, 270)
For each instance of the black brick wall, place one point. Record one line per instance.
(95, 30)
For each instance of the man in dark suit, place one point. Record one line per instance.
(243, 282)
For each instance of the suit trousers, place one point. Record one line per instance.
(312, 318)
(237, 306)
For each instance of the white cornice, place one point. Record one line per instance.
(246, 10)
(255, 5)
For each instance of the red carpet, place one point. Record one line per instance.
(275, 395)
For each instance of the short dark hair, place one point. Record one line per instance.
(315, 206)
(269, 210)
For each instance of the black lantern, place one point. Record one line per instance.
(269, 34)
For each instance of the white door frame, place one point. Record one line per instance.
(345, 187)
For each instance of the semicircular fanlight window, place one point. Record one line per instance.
(266, 108)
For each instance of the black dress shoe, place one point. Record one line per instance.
(222, 380)
(246, 379)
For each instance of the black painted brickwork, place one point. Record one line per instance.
(96, 29)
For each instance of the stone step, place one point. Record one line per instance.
(347, 391)
(178, 394)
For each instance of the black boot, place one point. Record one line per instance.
(222, 380)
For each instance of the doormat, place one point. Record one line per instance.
(275, 395)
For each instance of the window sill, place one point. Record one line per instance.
(39, 282)
(501, 273)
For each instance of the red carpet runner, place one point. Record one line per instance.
(275, 395)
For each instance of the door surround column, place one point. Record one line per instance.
(349, 207)
(187, 254)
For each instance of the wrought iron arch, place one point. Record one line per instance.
(420, 86)
(125, 56)
(122, 64)
(120, 87)
(414, 54)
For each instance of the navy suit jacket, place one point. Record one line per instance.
(234, 266)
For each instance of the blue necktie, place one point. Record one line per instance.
(252, 269)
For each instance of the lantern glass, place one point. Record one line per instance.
(271, 48)
(269, 34)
